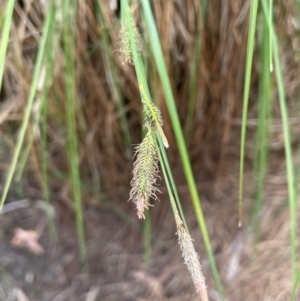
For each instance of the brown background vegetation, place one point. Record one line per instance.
(114, 246)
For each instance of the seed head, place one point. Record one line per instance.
(153, 117)
(191, 259)
(125, 45)
(152, 114)
(145, 174)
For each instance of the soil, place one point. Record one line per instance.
(118, 268)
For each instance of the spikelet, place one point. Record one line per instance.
(145, 174)
(152, 114)
(125, 46)
(191, 259)
(153, 117)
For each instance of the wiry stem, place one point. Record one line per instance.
(191, 259)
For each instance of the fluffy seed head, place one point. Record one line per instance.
(191, 259)
(145, 174)
(125, 45)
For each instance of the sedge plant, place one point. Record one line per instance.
(170, 103)
(287, 143)
(271, 58)
(145, 170)
(33, 88)
(70, 108)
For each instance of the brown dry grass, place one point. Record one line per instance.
(212, 141)
(219, 86)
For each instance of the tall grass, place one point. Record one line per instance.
(270, 46)
(143, 162)
(249, 58)
(262, 141)
(33, 87)
(287, 144)
(94, 102)
(71, 104)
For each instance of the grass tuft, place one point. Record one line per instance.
(70, 109)
(28, 109)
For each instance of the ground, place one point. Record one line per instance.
(117, 268)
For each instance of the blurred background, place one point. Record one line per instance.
(71, 116)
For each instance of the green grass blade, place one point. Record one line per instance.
(5, 36)
(32, 91)
(162, 161)
(170, 178)
(295, 286)
(287, 145)
(194, 69)
(44, 165)
(52, 47)
(44, 82)
(270, 36)
(70, 107)
(262, 136)
(297, 176)
(161, 67)
(249, 58)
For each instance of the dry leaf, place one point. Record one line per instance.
(27, 239)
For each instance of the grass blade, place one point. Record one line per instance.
(35, 79)
(70, 107)
(287, 145)
(5, 36)
(250, 47)
(194, 68)
(262, 136)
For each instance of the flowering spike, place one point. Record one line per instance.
(125, 45)
(153, 116)
(191, 259)
(145, 173)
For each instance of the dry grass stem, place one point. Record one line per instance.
(191, 259)
(145, 173)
